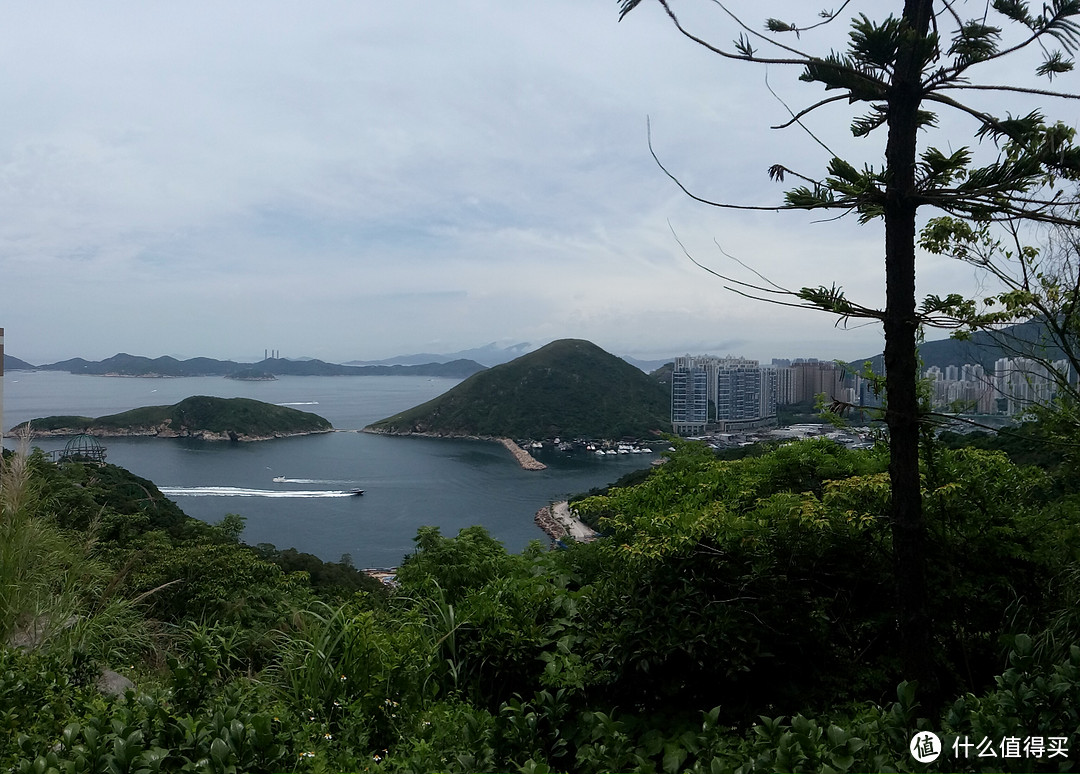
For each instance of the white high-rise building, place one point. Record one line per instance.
(1024, 382)
(741, 393)
(689, 396)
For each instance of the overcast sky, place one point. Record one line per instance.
(354, 180)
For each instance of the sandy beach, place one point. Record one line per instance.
(558, 521)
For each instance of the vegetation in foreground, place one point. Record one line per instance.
(736, 618)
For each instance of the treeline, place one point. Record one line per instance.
(737, 617)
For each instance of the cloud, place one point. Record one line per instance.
(357, 180)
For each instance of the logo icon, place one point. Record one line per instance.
(925, 747)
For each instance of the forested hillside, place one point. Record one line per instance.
(569, 388)
(198, 416)
(737, 617)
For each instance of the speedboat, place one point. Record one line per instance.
(279, 479)
(356, 492)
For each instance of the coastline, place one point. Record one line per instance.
(524, 459)
(558, 522)
(165, 432)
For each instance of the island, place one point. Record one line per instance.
(200, 416)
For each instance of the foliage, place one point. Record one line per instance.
(455, 566)
(335, 581)
(1024, 444)
(736, 619)
(717, 568)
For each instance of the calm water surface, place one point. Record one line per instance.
(407, 482)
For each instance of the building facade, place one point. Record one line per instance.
(1016, 385)
(689, 396)
(727, 394)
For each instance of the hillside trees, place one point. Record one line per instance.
(721, 626)
(900, 70)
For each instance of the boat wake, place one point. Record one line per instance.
(284, 480)
(234, 491)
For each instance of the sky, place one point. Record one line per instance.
(353, 180)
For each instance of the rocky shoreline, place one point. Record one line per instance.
(524, 459)
(558, 522)
(165, 431)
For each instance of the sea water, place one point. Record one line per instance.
(407, 482)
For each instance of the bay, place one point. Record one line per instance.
(407, 482)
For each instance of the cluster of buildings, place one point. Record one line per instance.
(1016, 384)
(736, 394)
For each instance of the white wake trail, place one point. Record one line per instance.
(234, 491)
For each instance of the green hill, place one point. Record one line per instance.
(226, 419)
(14, 364)
(570, 388)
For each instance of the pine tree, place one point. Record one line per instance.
(902, 69)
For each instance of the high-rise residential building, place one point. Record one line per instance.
(1023, 382)
(1016, 384)
(786, 392)
(813, 377)
(769, 393)
(689, 396)
(738, 392)
(732, 392)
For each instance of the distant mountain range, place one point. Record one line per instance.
(569, 388)
(458, 364)
(124, 364)
(488, 355)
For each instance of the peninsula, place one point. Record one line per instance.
(570, 389)
(207, 418)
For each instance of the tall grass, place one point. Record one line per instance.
(53, 593)
(33, 554)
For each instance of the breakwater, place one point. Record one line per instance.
(525, 460)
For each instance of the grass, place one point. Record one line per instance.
(54, 594)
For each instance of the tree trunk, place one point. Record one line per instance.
(901, 363)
